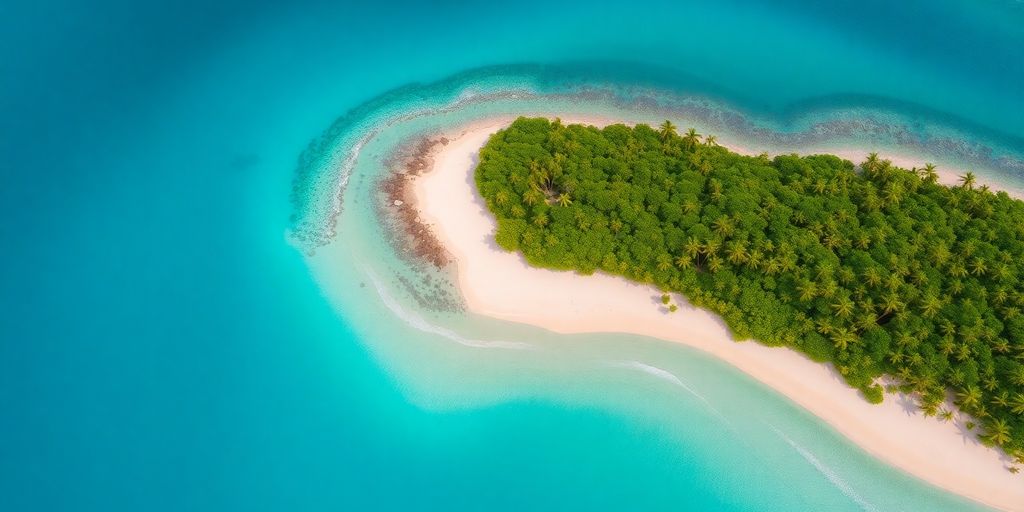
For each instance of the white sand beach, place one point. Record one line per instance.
(499, 284)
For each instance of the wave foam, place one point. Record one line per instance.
(826, 471)
(668, 376)
(419, 323)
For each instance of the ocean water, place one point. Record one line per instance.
(187, 322)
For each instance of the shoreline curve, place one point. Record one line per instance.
(502, 285)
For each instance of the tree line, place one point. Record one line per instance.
(881, 271)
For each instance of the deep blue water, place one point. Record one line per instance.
(163, 346)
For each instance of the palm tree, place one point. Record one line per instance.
(905, 339)
(564, 200)
(825, 326)
(691, 138)
(705, 168)
(846, 275)
(755, 259)
(693, 247)
(930, 306)
(963, 353)
(916, 359)
(872, 165)
(929, 408)
(872, 161)
(928, 174)
(894, 281)
(1001, 345)
(905, 373)
(872, 276)
(1003, 273)
(843, 338)
(957, 269)
(1017, 375)
(948, 328)
(799, 218)
(542, 181)
(664, 262)
(540, 177)
(723, 226)
(541, 220)
(970, 397)
(893, 193)
(1011, 312)
(833, 240)
(919, 277)
(1017, 404)
(788, 262)
(843, 307)
(998, 432)
(968, 180)
(891, 302)
(884, 170)
(862, 240)
(714, 263)
(940, 253)
(737, 252)
(711, 247)
(808, 290)
(978, 266)
(710, 140)
(684, 261)
(667, 130)
(947, 346)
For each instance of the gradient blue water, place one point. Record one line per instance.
(163, 347)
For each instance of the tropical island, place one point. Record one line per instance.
(604, 227)
(881, 271)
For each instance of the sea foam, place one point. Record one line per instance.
(419, 323)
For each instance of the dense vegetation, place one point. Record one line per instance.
(879, 270)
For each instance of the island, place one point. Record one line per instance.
(875, 278)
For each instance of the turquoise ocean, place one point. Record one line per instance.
(203, 309)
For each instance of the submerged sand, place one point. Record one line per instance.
(500, 284)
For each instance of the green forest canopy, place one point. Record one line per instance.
(879, 270)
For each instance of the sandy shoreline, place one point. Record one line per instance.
(501, 285)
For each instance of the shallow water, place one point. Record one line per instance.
(167, 343)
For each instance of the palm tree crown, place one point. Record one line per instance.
(968, 180)
(667, 130)
(691, 138)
